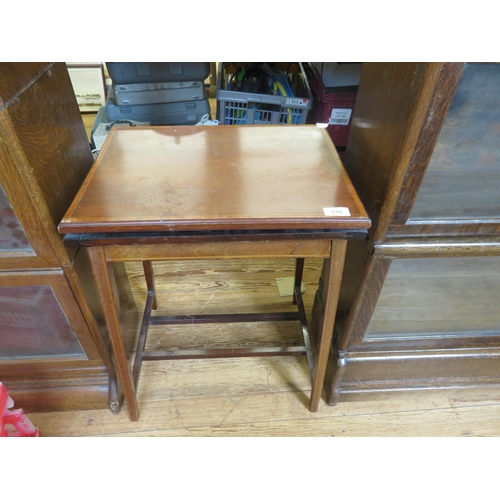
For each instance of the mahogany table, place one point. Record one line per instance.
(216, 192)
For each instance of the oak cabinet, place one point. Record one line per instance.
(419, 302)
(54, 351)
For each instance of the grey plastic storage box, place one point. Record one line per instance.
(153, 93)
(153, 72)
(169, 113)
(239, 108)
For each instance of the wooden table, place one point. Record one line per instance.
(215, 192)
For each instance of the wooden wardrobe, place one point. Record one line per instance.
(54, 350)
(420, 302)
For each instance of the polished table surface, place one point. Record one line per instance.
(169, 193)
(215, 177)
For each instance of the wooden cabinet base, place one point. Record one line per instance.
(84, 388)
(382, 375)
(371, 372)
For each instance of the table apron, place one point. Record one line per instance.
(219, 250)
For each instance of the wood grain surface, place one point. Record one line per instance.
(193, 178)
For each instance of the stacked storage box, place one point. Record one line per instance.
(158, 93)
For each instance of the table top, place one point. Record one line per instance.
(225, 177)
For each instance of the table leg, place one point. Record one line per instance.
(150, 280)
(331, 290)
(299, 271)
(108, 296)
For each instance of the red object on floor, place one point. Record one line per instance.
(14, 423)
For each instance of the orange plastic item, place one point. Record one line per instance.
(14, 423)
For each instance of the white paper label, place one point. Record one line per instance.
(294, 101)
(337, 211)
(340, 116)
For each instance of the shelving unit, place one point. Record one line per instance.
(54, 351)
(419, 302)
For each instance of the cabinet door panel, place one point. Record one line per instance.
(463, 175)
(33, 324)
(436, 297)
(39, 318)
(23, 240)
(12, 235)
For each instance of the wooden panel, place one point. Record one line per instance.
(51, 385)
(15, 77)
(448, 157)
(217, 178)
(42, 254)
(357, 271)
(45, 157)
(391, 108)
(366, 299)
(49, 146)
(439, 247)
(372, 375)
(226, 250)
(63, 398)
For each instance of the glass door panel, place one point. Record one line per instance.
(462, 179)
(438, 296)
(33, 325)
(12, 235)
